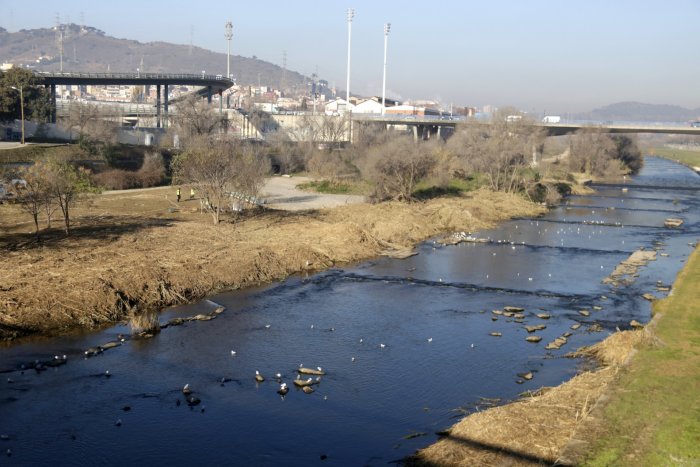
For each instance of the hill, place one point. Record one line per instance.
(88, 49)
(639, 112)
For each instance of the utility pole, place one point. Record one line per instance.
(283, 84)
(387, 28)
(229, 35)
(60, 45)
(351, 14)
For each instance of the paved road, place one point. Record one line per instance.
(281, 193)
(10, 144)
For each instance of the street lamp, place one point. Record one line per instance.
(387, 28)
(351, 13)
(229, 35)
(21, 106)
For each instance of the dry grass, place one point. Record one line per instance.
(534, 430)
(144, 322)
(132, 252)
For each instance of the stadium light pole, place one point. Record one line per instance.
(350, 13)
(387, 28)
(229, 35)
(21, 106)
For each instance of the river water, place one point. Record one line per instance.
(406, 345)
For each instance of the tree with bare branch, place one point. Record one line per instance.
(396, 167)
(217, 168)
(67, 184)
(32, 191)
(194, 118)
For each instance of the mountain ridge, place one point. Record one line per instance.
(641, 112)
(88, 49)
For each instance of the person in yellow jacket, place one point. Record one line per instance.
(177, 194)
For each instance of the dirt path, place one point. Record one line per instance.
(282, 193)
(279, 192)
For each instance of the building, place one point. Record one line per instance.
(412, 110)
(373, 105)
(338, 107)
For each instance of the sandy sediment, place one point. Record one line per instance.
(129, 264)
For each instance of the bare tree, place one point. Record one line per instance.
(32, 191)
(592, 152)
(217, 168)
(96, 134)
(333, 130)
(194, 118)
(501, 150)
(395, 168)
(67, 184)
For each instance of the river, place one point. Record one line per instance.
(406, 345)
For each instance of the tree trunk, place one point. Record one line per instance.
(35, 215)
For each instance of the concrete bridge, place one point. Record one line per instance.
(425, 126)
(210, 84)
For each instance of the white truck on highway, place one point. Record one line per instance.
(551, 119)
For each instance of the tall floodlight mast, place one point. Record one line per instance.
(350, 13)
(387, 28)
(229, 35)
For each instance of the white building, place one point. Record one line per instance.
(368, 106)
(338, 107)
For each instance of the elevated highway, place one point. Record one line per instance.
(210, 84)
(434, 124)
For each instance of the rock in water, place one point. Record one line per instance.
(673, 222)
(533, 339)
(193, 400)
(311, 371)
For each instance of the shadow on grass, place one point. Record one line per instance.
(107, 227)
(508, 456)
(432, 192)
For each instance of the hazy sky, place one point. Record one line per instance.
(553, 56)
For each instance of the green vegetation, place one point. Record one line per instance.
(36, 99)
(689, 158)
(456, 186)
(333, 187)
(34, 152)
(654, 414)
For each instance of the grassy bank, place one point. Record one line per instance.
(136, 251)
(33, 152)
(653, 417)
(689, 158)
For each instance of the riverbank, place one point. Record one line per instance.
(601, 417)
(128, 254)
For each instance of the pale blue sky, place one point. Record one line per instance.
(558, 56)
